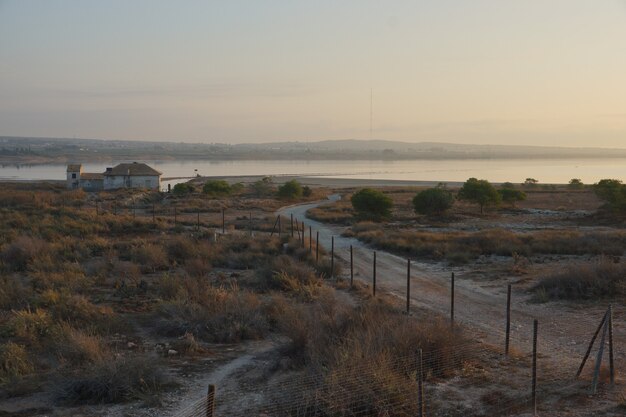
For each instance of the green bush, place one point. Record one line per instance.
(290, 189)
(511, 196)
(433, 201)
(217, 188)
(575, 184)
(263, 187)
(480, 192)
(371, 204)
(613, 192)
(183, 188)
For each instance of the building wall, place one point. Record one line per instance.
(73, 179)
(91, 185)
(112, 182)
(152, 182)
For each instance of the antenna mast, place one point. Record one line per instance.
(371, 111)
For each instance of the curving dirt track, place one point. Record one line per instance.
(564, 331)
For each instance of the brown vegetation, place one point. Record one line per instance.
(603, 278)
(464, 246)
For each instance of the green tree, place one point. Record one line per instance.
(613, 192)
(371, 204)
(290, 189)
(183, 188)
(433, 201)
(307, 191)
(511, 196)
(216, 188)
(263, 187)
(575, 184)
(530, 182)
(480, 192)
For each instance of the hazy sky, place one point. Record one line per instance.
(476, 71)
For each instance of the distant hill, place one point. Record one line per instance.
(61, 150)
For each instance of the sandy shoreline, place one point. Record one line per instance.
(329, 182)
(310, 181)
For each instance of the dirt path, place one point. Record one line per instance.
(564, 332)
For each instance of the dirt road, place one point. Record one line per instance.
(564, 331)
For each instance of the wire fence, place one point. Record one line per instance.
(501, 325)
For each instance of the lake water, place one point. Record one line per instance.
(496, 170)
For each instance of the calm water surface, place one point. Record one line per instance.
(544, 170)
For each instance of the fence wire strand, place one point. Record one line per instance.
(360, 390)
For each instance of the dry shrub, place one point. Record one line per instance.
(602, 278)
(460, 247)
(98, 245)
(98, 268)
(214, 314)
(241, 252)
(333, 341)
(46, 274)
(328, 269)
(151, 257)
(79, 347)
(30, 327)
(121, 380)
(340, 212)
(13, 294)
(180, 248)
(70, 249)
(187, 345)
(126, 270)
(76, 309)
(14, 361)
(285, 274)
(168, 286)
(21, 251)
(197, 267)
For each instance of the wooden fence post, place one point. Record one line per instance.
(534, 381)
(224, 222)
(593, 339)
(408, 286)
(332, 257)
(210, 401)
(374, 276)
(280, 226)
(303, 234)
(274, 226)
(175, 216)
(317, 246)
(508, 320)
(596, 371)
(351, 268)
(310, 239)
(611, 361)
(420, 384)
(291, 224)
(452, 300)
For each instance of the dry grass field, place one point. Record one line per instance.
(564, 225)
(110, 305)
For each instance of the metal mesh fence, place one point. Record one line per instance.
(363, 390)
